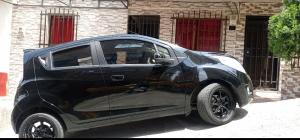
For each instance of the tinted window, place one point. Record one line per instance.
(79, 56)
(163, 52)
(128, 52)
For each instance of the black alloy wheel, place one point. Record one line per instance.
(215, 104)
(40, 129)
(41, 125)
(221, 104)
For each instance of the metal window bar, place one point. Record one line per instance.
(198, 15)
(147, 25)
(49, 17)
(295, 62)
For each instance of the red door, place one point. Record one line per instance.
(199, 34)
(61, 29)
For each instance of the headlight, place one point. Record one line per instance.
(230, 62)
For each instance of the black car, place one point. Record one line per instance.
(117, 79)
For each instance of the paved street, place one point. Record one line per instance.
(259, 119)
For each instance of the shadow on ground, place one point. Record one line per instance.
(148, 127)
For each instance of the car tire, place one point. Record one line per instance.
(41, 125)
(216, 105)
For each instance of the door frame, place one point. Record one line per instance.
(272, 57)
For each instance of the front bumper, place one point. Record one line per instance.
(245, 90)
(246, 96)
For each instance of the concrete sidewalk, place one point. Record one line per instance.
(266, 96)
(6, 106)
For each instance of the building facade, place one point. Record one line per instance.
(238, 27)
(5, 43)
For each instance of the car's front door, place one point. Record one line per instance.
(136, 83)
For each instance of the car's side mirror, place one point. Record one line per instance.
(164, 61)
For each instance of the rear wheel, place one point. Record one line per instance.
(41, 125)
(215, 104)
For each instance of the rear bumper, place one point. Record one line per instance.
(14, 118)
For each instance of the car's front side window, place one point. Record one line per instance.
(128, 52)
(78, 56)
(163, 52)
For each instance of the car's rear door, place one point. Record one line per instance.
(73, 82)
(136, 84)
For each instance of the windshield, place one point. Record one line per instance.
(176, 47)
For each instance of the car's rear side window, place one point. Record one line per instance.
(78, 56)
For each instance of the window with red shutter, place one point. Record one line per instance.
(57, 26)
(61, 29)
(199, 34)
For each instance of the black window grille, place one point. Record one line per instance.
(147, 25)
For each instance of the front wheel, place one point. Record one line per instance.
(216, 104)
(41, 125)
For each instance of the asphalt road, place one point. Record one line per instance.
(257, 120)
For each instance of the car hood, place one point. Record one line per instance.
(208, 58)
(211, 54)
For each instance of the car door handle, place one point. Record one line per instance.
(117, 78)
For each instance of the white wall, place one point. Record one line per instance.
(5, 35)
(26, 28)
